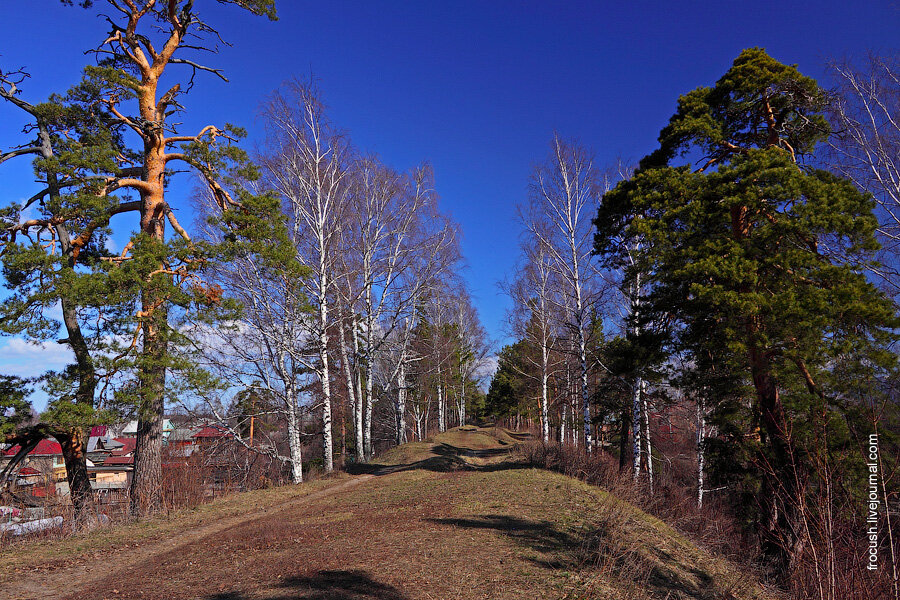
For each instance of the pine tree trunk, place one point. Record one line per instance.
(72, 441)
(73, 450)
(782, 541)
(146, 484)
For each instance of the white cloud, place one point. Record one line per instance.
(54, 312)
(32, 212)
(26, 359)
(485, 371)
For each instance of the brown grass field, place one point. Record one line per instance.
(455, 517)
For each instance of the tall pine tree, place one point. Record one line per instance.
(756, 260)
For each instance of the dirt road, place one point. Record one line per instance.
(453, 519)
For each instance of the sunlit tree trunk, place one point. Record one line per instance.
(701, 454)
(401, 403)
(442, 422)
(636, 428)
(324, 373)
(294, 440)
(649, 448)
(369, 400)
(358, 415)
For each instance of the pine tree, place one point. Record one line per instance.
(112, 135)
(755, 258)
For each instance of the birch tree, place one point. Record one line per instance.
(266, 345)
(471, 350)
(307, 163)
(533, 318)
(564, 194)
(402, 248)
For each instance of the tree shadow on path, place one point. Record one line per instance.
(667, 576)
(448, 458)
(542, 536)
(326, 585)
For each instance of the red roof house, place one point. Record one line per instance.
(128, 446)
(212, 432)
(44, 448)
(99, 430)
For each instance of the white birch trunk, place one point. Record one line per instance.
(295, 445)
(348, 374)
(562, 425)
(573, 422)
(545, 409)
(360, 401)
(370, 359)
(401, 403)
(324, 374)
(461, 404)
(701, 455)
(648, 447)
(419, 417)
(585, 399)
(442, 423)
(636, 443)
(370, 388)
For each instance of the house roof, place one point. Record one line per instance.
(118, 461)
(128, 446)
(212, 431)
(44, 448)
(100, 444)
(131, 427)
(28, 471)
(181, 434)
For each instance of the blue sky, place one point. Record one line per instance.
(476, 88)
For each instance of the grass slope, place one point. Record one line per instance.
(454, 517)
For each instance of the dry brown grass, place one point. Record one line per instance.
(487, 528)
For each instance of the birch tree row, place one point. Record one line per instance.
(362, 329)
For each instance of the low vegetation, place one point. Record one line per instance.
(459, 516)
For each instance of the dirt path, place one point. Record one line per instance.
(457, 518)
(58, 581)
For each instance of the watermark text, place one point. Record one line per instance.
(872, 502)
